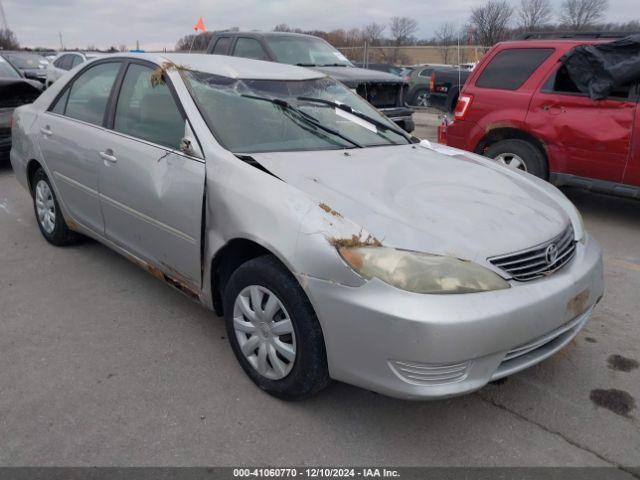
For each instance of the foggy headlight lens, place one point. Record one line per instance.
(421, 272)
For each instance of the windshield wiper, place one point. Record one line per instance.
(348, 109)
(306, 65)
(305, 116)
(333, 65)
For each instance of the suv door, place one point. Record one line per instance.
(71, 134)
(151, 193)
(588, 138)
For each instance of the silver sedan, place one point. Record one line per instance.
(335, 245)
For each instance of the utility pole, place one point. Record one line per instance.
(61, 44)
(3, 18)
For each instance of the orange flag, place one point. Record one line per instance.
(199, 26)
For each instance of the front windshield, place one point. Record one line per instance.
(25, 60)
(7, 71)
(305, 51)
(244, 119)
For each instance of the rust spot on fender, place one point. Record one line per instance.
(355, 241)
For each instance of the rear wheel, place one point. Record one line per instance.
(274, 331)
(421, 98)
(519, 155)
(48, 214)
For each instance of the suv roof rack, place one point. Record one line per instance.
(569, 35)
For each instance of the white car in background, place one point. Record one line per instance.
(66, 61)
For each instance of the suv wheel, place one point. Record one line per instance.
(519, 155)
(421, 98)
(274, 331)
(48, 214)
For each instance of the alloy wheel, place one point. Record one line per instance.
(512, 160)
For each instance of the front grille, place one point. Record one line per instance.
(429, 374)
(380, 95)
(538, 261)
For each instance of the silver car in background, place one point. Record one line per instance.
(65, 61)
(335, 245)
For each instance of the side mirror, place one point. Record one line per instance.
(189, 145)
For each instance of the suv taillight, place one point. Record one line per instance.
(432, 82)
(462, 107)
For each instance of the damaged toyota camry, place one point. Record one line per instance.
(335, 245)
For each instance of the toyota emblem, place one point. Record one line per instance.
(551, 254)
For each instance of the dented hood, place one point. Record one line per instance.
(415, 198)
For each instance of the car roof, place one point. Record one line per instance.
(553, 43)
(231, 67)
(259, 33)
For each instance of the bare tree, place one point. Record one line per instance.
(534, 14)
(373, 33)
(282, 27)
(490, 22)
(8, 40)
(578, 14)
(446, 37)
(402, 30)
(199, 41)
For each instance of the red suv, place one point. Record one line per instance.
(520, 107)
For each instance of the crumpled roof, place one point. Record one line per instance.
(598, 69)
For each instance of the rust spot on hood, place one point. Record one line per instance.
(330, 210)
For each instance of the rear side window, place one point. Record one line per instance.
(60, 61)
(221, 46)
(560, 82)
(90, 92)
(249, 48)
(77, 60)
(147, 110)
(425, 73)
(509, 69)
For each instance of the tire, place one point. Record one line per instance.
(308, 373)
(421, 98)
(55, 230)
(510, 152)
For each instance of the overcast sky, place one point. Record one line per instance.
(159, 23)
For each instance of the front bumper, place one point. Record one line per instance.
(430, 346)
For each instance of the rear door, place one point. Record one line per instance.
(151, 193)
(588, 138)
(71, 134)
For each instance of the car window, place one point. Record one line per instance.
(147, 110)
(425, 73)
(61, 104)
(77, 60)
(7, 70)
(561, 83)
(221, 46)
(510, 68)
(59, 61)
(90, 92)
(249, 48)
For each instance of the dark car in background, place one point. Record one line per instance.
(15, 90)
(383, 90)
(446, 84)
(32, 65)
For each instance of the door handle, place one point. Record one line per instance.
(108, 156)
(46, 131)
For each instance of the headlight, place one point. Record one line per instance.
(421, 272)
(583, 231)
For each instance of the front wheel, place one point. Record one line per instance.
(519, 155)
(274, 331)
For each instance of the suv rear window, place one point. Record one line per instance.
(509, 69)
(221, 46)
